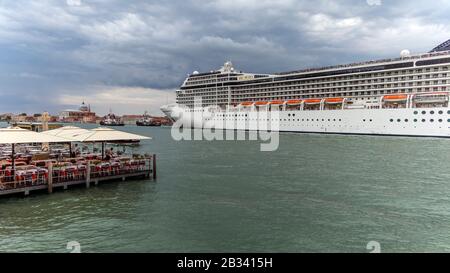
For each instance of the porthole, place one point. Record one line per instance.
(415, 112)
(406, 120)
(399, 120)
(440, 120)
(415, 120)
(424, 112)
(432, 112)
(423, 120)
(391, 120)
(448, 112)
(431, 120)
(441, 112)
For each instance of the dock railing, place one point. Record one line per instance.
(68, 172)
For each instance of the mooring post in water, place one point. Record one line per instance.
(154, 166)
(88, 174)
(50, 177)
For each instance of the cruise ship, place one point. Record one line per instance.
(404, 96)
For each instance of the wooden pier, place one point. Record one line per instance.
(93, 174)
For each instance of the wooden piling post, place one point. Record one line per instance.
(50, 177)
(88, 174)
(154, 166)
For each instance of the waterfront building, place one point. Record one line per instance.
(82, 115)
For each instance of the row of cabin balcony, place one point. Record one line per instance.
(343, 80)
(354, 81)
(321, 86)
(442, 80)
(418, 87)
(362, 75)
(326, 94)
(354, 93)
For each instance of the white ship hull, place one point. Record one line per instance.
(423, 122)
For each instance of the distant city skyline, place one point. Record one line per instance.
(131, 56)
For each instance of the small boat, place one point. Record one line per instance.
(313, 101)
(261, 103)
(334, 100)
(294, 102)
(146, 120)
(111, 120)
(395, 98)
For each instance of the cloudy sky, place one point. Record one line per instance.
(131, 55)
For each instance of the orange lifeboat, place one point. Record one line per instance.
(277, 102)
(395, 98)
(334, 100)
(313, 101)
(261, 103)
(247, 103)
(294, 102)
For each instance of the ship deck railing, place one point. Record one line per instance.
(412, 57)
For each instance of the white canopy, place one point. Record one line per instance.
(67, 132)
(103, 134)
(18, 135)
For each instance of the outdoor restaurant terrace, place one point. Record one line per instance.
(37, 161)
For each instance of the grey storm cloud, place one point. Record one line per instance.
(55, 53)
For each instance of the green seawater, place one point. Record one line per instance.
(316, 193)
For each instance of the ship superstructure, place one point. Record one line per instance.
(369, 98)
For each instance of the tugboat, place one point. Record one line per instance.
(111, 120)
(146, 120)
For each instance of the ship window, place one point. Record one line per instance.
(424, 112)
(432, 112)
(406, 120)
(423, 120)
(415, 112)
(391, 120)
(399, 120)
(440, 120)
(441, 112)
(448, 120)
(431, 120)
(415, 120)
